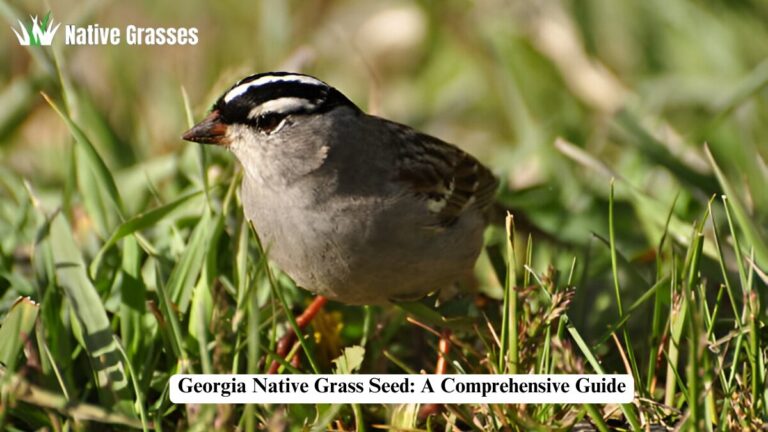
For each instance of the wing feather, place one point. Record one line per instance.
(450, 180)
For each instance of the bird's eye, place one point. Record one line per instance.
(269, 122)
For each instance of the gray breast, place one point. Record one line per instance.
(361, 249)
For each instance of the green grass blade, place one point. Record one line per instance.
(89, 310)
(657, 152)
(137, 223)
(100, 193)
(170, 322)
(17, 326)
(677, 316)
(181, 282)
(617, 288)
(140, 398)
(509, 356)
(40, 397)
(753, 234)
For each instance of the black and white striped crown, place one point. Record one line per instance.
(279, 93)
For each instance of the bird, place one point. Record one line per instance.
(354, 207)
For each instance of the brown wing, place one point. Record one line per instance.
(450, 180)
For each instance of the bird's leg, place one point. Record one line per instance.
(441, 368)
(443, 346)
(286, 342)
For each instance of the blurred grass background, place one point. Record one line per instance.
(558, 97)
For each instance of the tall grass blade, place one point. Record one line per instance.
(89, 309)
(753, 234)
(17, 326)
(138, 223)
(95, 180)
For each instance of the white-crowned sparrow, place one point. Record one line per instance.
(354, 207)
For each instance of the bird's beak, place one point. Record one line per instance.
(209, 131)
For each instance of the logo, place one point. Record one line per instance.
(42, 32)
(39, 33)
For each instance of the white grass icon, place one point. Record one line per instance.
(41, 33)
